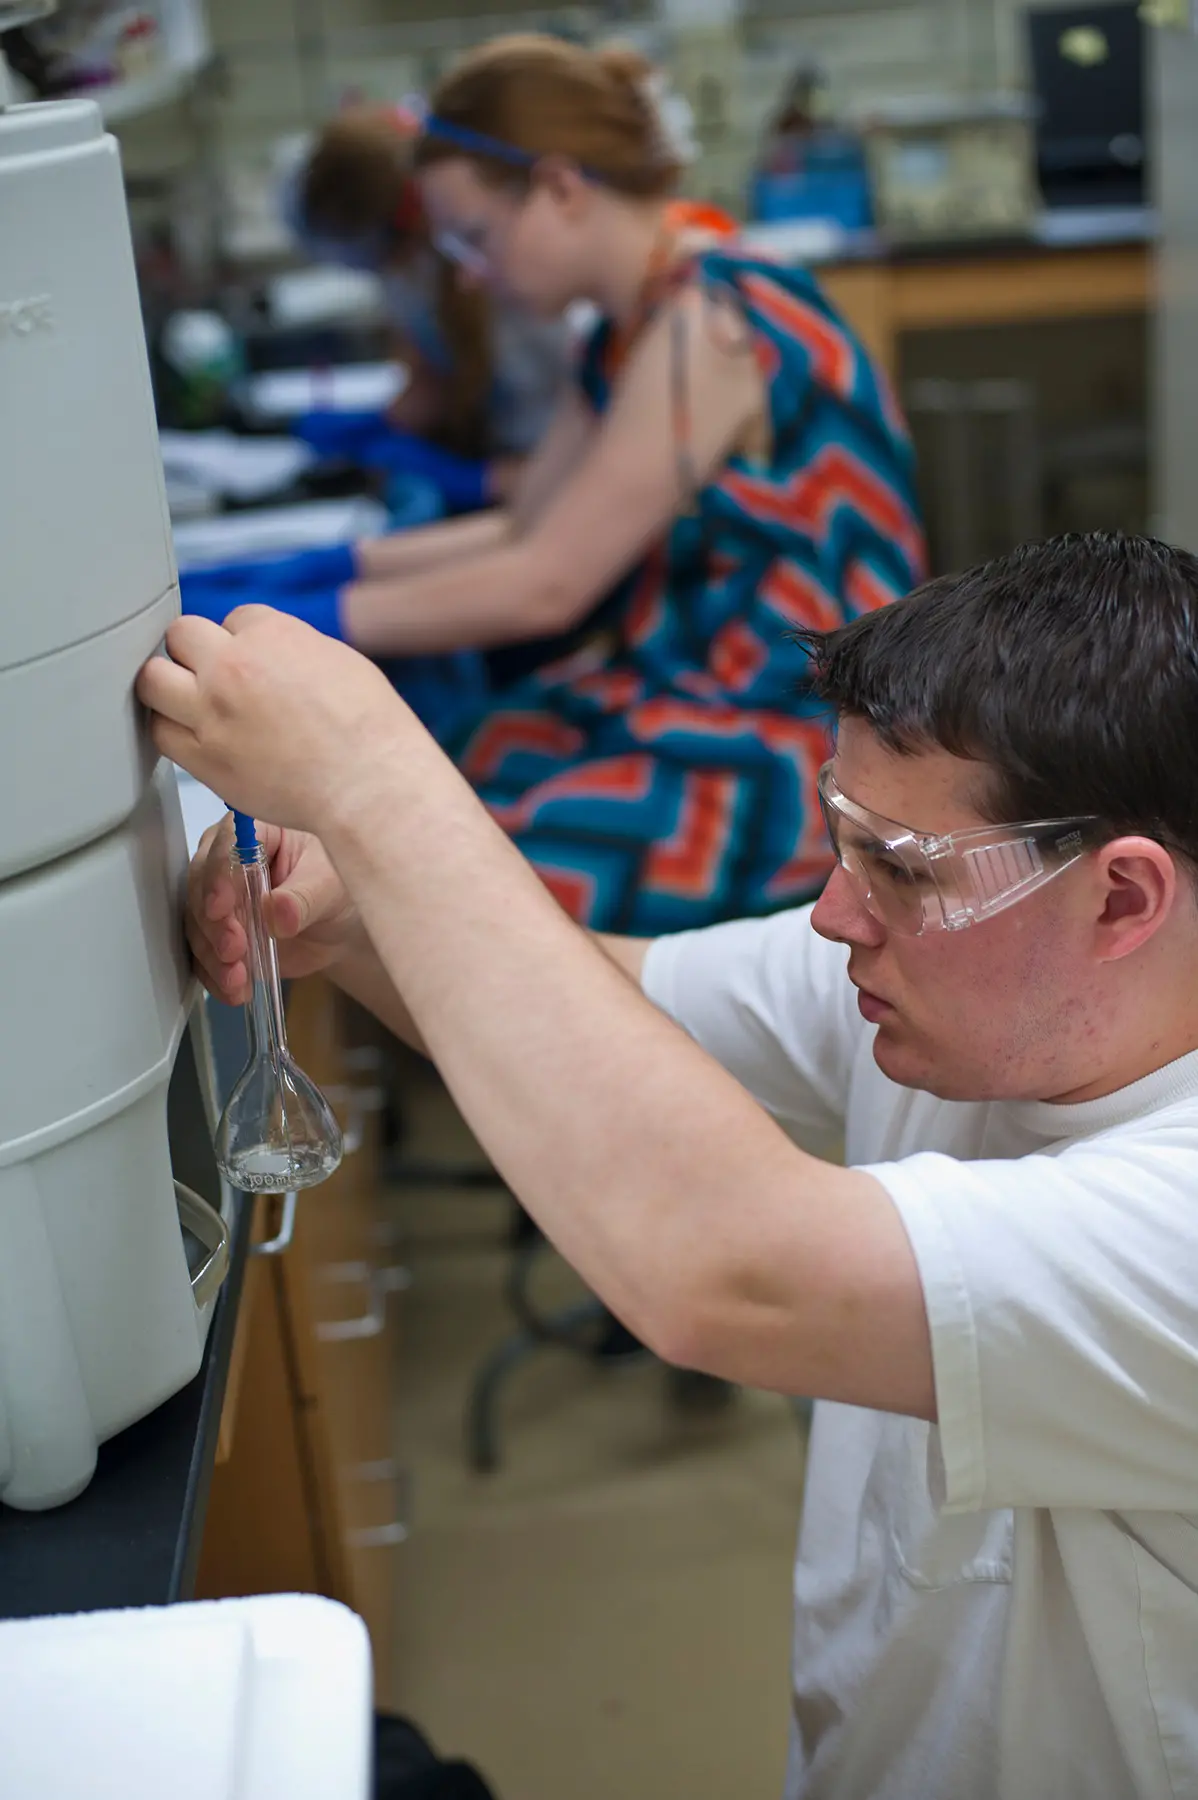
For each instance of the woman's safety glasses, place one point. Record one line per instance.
(915, 881)
(465, 251)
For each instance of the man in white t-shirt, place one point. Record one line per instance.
(996, 1300)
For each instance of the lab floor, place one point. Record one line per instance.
(608, 1615)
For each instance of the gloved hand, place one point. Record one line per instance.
(328, 565)
(206, 598)
(368, 439)
(462, 479)
(339, 434)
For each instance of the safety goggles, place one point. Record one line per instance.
(473, 254)
(465, 252)
(917, 881)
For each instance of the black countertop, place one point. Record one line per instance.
(132, 1538)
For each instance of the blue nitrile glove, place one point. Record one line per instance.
(339, 434)
(462, 479)
(215, 600)
(328, 565)
(368, 439)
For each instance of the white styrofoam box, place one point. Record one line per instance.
(276, 530)
(77, 418)
(260, 1699)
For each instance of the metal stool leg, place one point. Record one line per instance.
(572, 1328)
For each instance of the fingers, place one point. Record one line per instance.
(215, 934)
(178, 743)
(168, 684)
(192, 641)
(248, 618)
(306, 893)
(168, 690)
(227, 981)
(289, 912)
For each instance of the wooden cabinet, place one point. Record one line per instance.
(308, 1489)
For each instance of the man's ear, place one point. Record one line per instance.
(1139, 884)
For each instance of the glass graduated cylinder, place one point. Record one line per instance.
(277, 1132)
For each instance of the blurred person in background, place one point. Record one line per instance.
(728, 468)
(483, 379)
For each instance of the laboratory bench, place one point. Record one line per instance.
(1075, 263)
(276, 1468)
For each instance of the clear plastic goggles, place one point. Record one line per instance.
(916, 881)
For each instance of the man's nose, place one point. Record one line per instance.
(841, 915)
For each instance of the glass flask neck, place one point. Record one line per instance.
(264, 1013)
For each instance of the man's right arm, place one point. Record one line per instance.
(627, 953)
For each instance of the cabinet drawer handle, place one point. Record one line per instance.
(367, 1324)
(281, 1241)
(379, 1537)
(387, 1468)
(359, 1104)
(396, 1531)
(379, 1284)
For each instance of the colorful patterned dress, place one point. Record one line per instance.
(663, 776)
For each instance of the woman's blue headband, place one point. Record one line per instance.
(481, 143)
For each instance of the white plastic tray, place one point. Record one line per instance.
(263, 1699)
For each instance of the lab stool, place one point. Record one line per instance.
(586, 1327)
(580, 1327)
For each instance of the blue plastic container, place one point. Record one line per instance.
(842, 197)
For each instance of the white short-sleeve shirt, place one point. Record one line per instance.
(1002, 1606)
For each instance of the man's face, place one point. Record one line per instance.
(1001, 1010)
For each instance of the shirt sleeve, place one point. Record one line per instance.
(1062, 1299)
(770, 1000)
